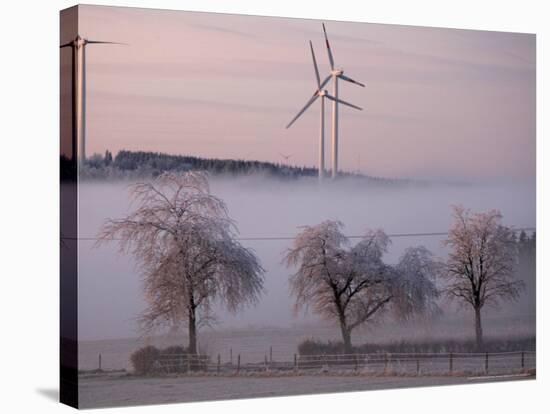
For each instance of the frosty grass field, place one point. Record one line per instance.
(117, 388)
(104, 391)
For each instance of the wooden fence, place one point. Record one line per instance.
(376, 363)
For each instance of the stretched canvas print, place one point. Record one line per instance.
(257, 206)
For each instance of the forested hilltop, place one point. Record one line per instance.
(142, 164)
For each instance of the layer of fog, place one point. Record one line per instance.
(109, 284)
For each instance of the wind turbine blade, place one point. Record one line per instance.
(102, 42)
(332, 98)
(325, 82)
(330, 58)
(343, 77)
(67, 45)
(308, 104)
(315, 66)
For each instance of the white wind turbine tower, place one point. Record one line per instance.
(335, 74)
(322, 93)
(79, 91)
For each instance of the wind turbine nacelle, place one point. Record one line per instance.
(337, 72)
(79, 42)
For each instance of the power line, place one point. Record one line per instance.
(270, 238)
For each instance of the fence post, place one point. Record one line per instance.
(451, 363)
(356, 362)
(219, 362)
(231, 356)
(188, 362)
(295, 362)
(417, 366)
(100, 362)
(522, 359)
(486, 362)
(238, 363)
(385, 363)
(265, 362)
(270, 354)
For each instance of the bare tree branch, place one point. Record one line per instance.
(354, 285)
(184, 242)
(481, 266)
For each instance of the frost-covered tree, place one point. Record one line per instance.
(481, 264)
(353, 285)
(185, 244)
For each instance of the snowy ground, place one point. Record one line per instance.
(105, 391)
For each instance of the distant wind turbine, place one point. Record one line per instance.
(79, 91)
(335, 74)
(286, 157)
(322, 93)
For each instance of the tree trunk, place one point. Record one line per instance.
(346, 332)
(346, 336)
(347, 341)
(479, 330)
(192, 349)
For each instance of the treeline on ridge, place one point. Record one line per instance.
(144, 164)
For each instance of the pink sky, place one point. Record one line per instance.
(438, 102)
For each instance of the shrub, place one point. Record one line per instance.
(151, 360)
(315, 347)
(145, 360)
(173, 359)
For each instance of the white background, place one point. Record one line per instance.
(29, 297)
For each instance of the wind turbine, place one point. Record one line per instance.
(79, 91)
(320, 93)
(335, 74)
(285, 156)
